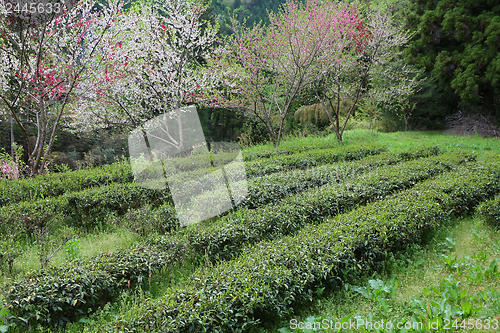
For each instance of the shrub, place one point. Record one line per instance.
(56, 295)
(272, 275)
(148, 220)
(490, 210)
(81, 209)
(226, 238)
(286, 150)
(89, 207)
(53, 185)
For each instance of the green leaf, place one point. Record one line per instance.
(284, 330)
(466, 308)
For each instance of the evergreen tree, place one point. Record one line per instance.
(457, 42)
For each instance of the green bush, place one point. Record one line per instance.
(226, 238)
(56, 295)
(86, 208)
(490, 210)
(89, 207)
(148, 220)
(309, 159)
(53, 185)
(272, 275)
(81, 209)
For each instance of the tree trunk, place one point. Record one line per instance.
(12, 137)
(280, 131)
(335, 123)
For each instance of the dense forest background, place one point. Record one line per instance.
(456, 43)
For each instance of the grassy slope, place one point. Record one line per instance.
(399, 141)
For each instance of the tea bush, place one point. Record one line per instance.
(227, 237)
(272, 275)
(490, 210)
(82, 209)
(53, 185)
(55, 295)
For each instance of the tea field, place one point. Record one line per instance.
(91, 251)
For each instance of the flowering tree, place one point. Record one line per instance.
(246, 67)
(12, 166)
(44, 52)
(362, 64)
(151, 63)
(269, 66)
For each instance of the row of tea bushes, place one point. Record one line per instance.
(147, 220)
(53, 185)
(58, 294)
(81, 209)
(283, 149)
(310, 159)
(225, 237)
(272, 275)
(490, 210)
(273, 187)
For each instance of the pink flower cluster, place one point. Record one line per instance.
(9, 170)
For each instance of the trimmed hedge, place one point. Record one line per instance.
(272, 275)
(225, 238)
(45, 186)
(84, 209)
(490, 210)
(286, 150)
(56, 295)
(310, 159)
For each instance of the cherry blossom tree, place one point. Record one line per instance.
(44, 54)
(363, 63)
(151, 63)
(270, 66)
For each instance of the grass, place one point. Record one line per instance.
(399, 141)
(428, 274)
(396, 141)
(82, 247)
